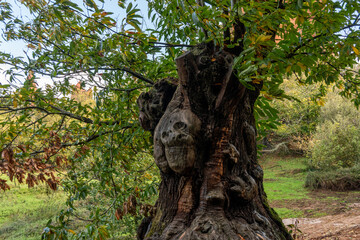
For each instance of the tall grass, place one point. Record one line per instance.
(24, 212)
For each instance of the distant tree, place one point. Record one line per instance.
(211, 183)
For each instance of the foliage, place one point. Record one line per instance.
(336, 143)
(294, 230)
(337, 180)
(266, 117)
(299, 115)
(100, 145)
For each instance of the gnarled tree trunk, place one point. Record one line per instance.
(205, 148)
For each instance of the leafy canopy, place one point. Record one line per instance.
(98, 142)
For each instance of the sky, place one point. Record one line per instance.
(18, 48)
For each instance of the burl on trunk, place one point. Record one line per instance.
(204, 145)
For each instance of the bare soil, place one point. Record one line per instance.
(328, 215)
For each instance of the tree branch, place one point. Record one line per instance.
(18, 133)
(135, 74)
(60, 112)
(11, 109)
(171, 44)
(292, 53)
(124, 90)
(125, 69)
(89, 139)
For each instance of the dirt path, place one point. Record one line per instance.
(324, 214)
(341, 226)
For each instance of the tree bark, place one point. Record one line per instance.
(205, 148)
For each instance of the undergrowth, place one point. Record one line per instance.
(336, 180)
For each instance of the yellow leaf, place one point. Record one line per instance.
(263, 38)
(15, 103)
(268, 97)
(301, 19)
(356, 51)
(103, 14)
(288, 68)
(102, 229)
(302, 66)
(320, 102)
(71, 231)
(252, 39)
(267, 37)
(257, 81)
(95, 14)
(263, 65)
(148, 176)
(32, 46)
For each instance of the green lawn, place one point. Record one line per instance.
(24, 212)
(284, 181)
(284, 178)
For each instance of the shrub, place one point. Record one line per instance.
(337, 180)
(336, 142)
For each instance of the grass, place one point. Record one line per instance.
(24, 212)
(284, 182)
(284, 178)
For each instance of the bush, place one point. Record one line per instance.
(336, 142)
(335, 145)
(337, 180)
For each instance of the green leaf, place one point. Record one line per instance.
(195, 18)
(71, 4)
(300, 4)
(91, 4)
(248, 71)
(58, 15)
(129, 7)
